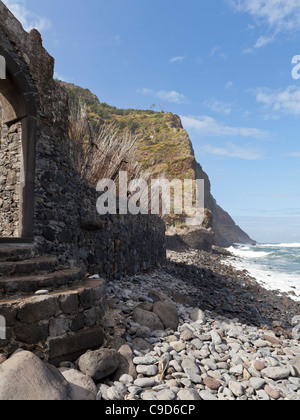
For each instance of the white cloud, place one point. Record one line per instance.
(208, 126)
(217, 51)
(281, 101)
(229, 85)
(178, 59)
(218, 106)
(263, 41)
(234, 151)
(168, 96)
(28, 19)
(293, 154)
(279, 16)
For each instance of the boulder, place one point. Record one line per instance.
(147, 319)
(126, 367)
(296, 365)
(198, 238)
(100, 363)
(24, 377)
(141, 345)
(198, 316)
(167, 313)
(82, 386)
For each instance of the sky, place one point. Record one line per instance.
(228, 68)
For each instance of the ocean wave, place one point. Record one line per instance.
(271, 279)
(291, 245)
(246, 252)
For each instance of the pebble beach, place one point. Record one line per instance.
(197, 329)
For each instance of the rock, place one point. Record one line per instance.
(261, 343)
(143, 332)
(102, 394)
(197, 343)
(187, 335)
(147, 360)
(216, 339)
(208, 396)
(166, 395)
(189, 364)
(188, 395)
(24, 377)
(208, 362)
(141, 344)
(276, 373)
(259, 366)
(114, 394)
(147, 319)
(272, 393)
(257, 383)
(37, 309)
(167, 313)
(144, 382)
(42, 292)
(126, 379)
(237, 370)
(196, 379)
(271, 339)
(149, 396)
(126, 366)
(82, 386)
(185, 300)
(211, 383)
(99, 364)
(296, 365)
(236, 388)
(147, 370)
(262, 395)
(198, 316)
(178, 346)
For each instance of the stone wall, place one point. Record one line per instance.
(10, 164)
(67, 223)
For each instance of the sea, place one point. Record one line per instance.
(274, 266)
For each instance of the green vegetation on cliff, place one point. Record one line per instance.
(164, 146)
(163, 149)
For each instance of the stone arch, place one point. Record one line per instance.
(18, 99)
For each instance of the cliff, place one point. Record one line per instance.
(164, 147)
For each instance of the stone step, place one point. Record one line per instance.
(28, 267)
(33, 283)
(16, 252)
(62, 325)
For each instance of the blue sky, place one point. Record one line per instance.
(224, 66)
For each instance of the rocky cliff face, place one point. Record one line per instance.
(164, 147)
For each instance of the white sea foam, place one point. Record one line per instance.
(259, 265)
(246, 252)
(292, 245)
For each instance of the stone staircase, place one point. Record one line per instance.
(22, 273)
(59, 323)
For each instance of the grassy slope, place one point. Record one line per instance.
(164, 147)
